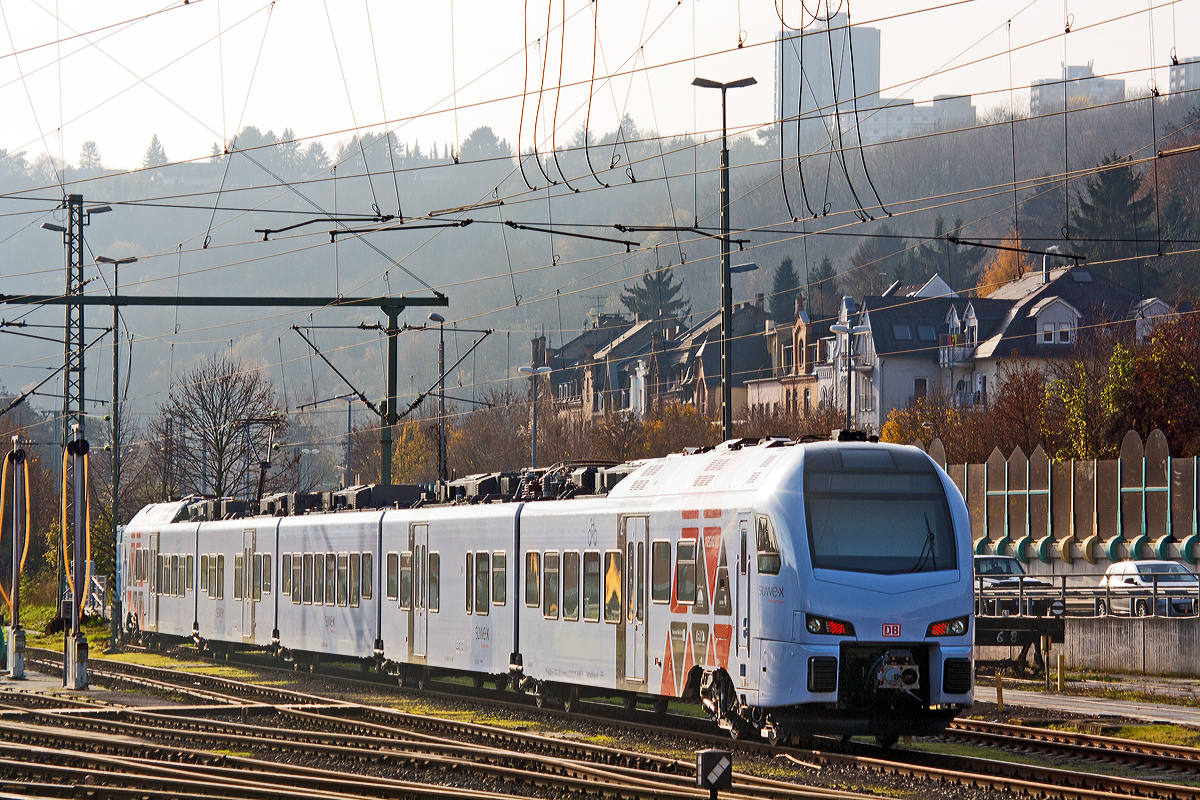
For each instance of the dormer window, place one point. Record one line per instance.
(1057, 321)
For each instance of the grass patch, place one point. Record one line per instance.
(1176, 735)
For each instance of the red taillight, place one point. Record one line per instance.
(939, 629)
(836, 628)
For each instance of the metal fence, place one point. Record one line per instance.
(1082, 595)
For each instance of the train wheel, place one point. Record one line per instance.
(886, 742)
(477, 681)
(571, 700)
(629, 703)
(501, 683)
(660, 708)
(423, 678)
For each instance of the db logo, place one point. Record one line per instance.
(891, 630)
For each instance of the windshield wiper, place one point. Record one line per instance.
(927, 549)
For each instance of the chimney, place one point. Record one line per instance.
(758, 301)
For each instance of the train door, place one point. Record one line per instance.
(155, 570)
(635, 585)
(246, 571)
(742, 603)
(419, 544)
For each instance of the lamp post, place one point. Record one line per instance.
(349, 398)
(533, 373)
(116, 440)
(441, 321)
(306, 471)
(848, 356)
(726, 288)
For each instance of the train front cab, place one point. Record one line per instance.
(147, 544)
(878, 638)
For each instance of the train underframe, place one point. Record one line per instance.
(882, 691)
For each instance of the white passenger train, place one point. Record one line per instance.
(793, 589)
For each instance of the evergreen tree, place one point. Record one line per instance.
(1112, 220)
(822, 290)
(785, 289)
(658, 293)
(89, 156)
(156, 155)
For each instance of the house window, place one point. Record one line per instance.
(787, 360)
(926, 333)
(807, 401)
(920, 387)
(1064, 333)
(1048, 333)
(903, 333)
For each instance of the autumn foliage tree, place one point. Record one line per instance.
(1004, 266)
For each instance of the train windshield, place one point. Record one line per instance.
(878, 511)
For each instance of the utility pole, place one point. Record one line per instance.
(115, 611)
(390, 417)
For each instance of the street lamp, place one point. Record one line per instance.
(349, 398)
(441, 321)
(848, 356)
(533, 373)
(306, 474)
(726, 288)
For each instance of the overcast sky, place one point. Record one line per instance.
(193, 74)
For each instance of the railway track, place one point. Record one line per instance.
(345, 721)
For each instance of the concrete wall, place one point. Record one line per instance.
(1153, 646)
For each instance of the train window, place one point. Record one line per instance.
(175, 575)
(330, 578)
(629, 573)
(285, 574)
(297, 577)
(212, 576)
(220, 576)
(307, 594)
(257, 585)
(406, 580)
(393, 576)
(499, 578)
(435, 581)
(767, 547)
(660, 571)
(238, 562)
(742, 561)
(267, 573)
(483, 576)
(550, 586)
(319, 580)
(878, 512)
(343, 579)
(685, 571)
(570, 585)
(470, 586)
(532, 579)
(591, 587)
(355, 578)
(204, 572)
(722, 600)
(612, 586)
(641, 581)
(158, 572)
(418, 584)
(189, 572)
(368, 576)
(182, 576)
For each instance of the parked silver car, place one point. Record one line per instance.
(1003, 582)
(1134, 585)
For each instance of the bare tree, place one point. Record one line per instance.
(215, 428)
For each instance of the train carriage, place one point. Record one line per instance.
(820, 588)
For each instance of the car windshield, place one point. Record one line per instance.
(998, 566)
(878, 511)
(1167, 573)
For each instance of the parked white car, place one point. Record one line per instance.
(1135, 584)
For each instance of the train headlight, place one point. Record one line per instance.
(830, 627)
(948, 627)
